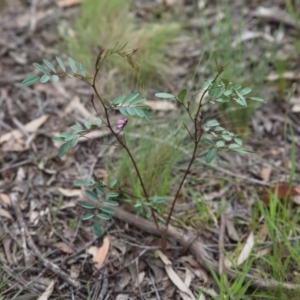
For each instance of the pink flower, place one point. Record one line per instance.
(122, 123)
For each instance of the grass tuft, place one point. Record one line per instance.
(104, 24)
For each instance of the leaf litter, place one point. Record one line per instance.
(49, 196)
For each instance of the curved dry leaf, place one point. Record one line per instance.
(161, 105)
(5, 199)
(29, 127)
(186, 292)
(5, 214)
(70, 192)
(48, 291)
(100, 254)
(246, 249)
(64, 247)
(67, 3)
(290, 75)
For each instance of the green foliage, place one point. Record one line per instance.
(55, 76)
(131, 105)
(228, 30)
(150, 180)
(100, 194)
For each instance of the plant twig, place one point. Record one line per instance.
(198, 250)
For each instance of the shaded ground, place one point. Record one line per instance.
(45, 244)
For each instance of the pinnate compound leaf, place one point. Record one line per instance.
(238, 141)
(226, 137)
(257, 99)
(82, 69)
(222, 100)
(72, 64)
(65, 134)
(137, 100)
(211, 154)
(77, 128)
(112, 194)
(147, 115)
(100, 189)
(216, 92)
(61, 64)
(207, 141)
(107, 210)
(44, 78)
(123, 111)
(227, 93)
(245, 91)
(84, 182)
(113, 182)
(218, 128)
(71, 137)
(241, 99)
(118, 100)
(212, 123)
(130, 97)
(164, 95)
(103, 217)
(206, 85)
(75, 141)
(97, 228)
(241, 102)
(88, 205)
(30, 80)
(181, 96)
(40, 68)
(234, 146)
(139, 112)
(98, 122)
(64, 148)
(111, 202)
(49, 65)
(131, 111)
(87, 124)
(92, 195)
(55, 78)
(220, 144)
(242, 150)
(58, 139)
(87, 217)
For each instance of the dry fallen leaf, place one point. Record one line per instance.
(161, 105)
(275, 14)
(64, 247)
(266, 173)
(70, 192)
(285, 75)
(246, 249)
(67, 3)
(75, 270)
(295, 101)
(249, 35)
(139, 279)
(187, 294)
(48, 291)
(5, 199)
(100, 254)
(283, 191)
(29, 127)
(231, 230)
(5, 214)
